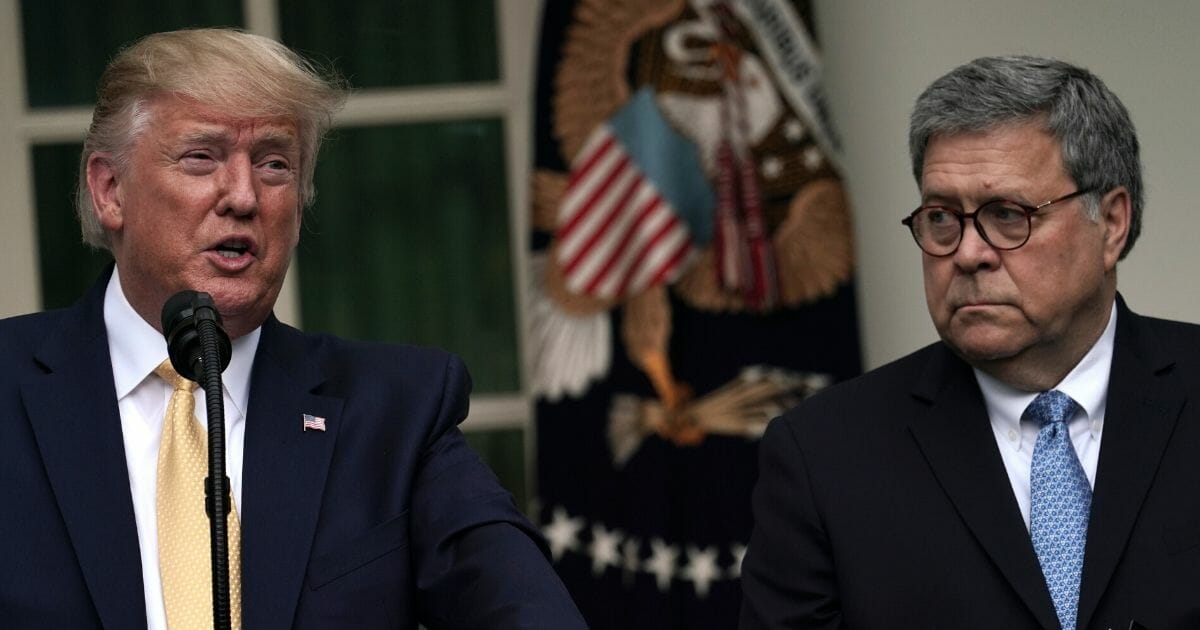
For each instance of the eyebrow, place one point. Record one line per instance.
(935, 198)
(941, 200)
(957, 202)
(278, 139)
(205, 136)
(271, 139)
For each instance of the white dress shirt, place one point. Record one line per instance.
(1086, 384)
(136, 349)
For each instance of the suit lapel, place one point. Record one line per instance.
(1144, 402)
(283, 474)
(73, 411)
(957, 440)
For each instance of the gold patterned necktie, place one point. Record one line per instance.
(184, 551)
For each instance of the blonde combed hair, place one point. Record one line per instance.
(247, 75)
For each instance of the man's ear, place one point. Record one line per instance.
(1116, 215)
(104, 185)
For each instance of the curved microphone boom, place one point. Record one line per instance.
(200, 350)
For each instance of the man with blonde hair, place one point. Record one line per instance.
(356, 501)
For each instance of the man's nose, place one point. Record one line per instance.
(974, 253)
(239, 195)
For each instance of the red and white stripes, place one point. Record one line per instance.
(616, 234)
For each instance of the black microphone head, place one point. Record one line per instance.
(177, 309)
(180, 315)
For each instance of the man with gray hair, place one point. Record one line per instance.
(356, 502)
(1036, 468)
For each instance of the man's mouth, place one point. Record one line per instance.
(980, 305)
(232, 248)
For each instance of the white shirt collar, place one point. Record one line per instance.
(1086, 384)
(136, 348)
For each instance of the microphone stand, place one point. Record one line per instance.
(217, 503)
(196, 340)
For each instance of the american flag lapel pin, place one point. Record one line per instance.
(316, 423)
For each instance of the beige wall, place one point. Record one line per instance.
(880, 54)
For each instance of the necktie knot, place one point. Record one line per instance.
(167, 372)
(1051, 407)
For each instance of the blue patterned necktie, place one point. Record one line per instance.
(1060, 502)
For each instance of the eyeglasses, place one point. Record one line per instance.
(1003, 224)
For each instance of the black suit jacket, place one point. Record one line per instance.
(884, 502)
(385, 518)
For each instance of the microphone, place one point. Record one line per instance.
(184, 316)
(200, 350)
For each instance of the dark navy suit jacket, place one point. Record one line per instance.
(384, 519)
(884, 502)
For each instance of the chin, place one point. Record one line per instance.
(977, 356)
(981, 346)
(233, 294)
(242, 306)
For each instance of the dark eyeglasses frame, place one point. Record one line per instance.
(963, 216)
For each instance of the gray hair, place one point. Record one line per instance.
(1093, 129)
(249, 75)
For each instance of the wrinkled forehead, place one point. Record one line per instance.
(1038, 124)
(176, 117)
(1004, 160)
(1012, 137)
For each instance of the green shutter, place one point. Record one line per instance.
(409, 242)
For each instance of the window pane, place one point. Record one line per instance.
(384, 43)
(409, 242)
(504, 451)
(68, 267)
(68, 43)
